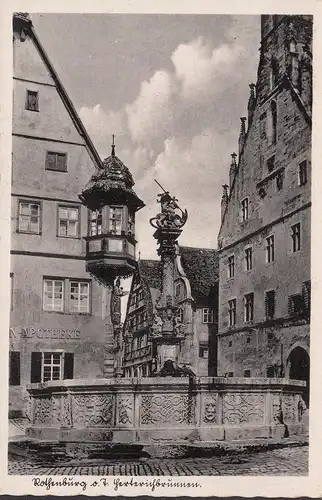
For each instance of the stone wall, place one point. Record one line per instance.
(149, 410)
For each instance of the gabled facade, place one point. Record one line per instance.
(264, 239)
(196, 292)
(56, 318)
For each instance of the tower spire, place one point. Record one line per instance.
(113, 145)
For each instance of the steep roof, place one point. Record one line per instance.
(151, 271)
(200, 266)
(24, 22)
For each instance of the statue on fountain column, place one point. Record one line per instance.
(169, 218)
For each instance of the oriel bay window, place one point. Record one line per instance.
(111, 229)
(29, 217)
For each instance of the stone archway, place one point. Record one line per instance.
(299, 368)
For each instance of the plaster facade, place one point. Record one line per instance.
(269, 200)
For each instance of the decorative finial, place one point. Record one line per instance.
(139, 255)
(113, 145)
(233, 157)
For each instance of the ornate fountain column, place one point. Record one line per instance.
(167, 331)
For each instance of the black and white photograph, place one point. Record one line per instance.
(160, 252)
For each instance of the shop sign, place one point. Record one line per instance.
(43, 333)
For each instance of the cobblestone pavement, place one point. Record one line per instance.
(291, 461)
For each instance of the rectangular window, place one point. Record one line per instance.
(249, 307)
(29, 217)
(249, 258)
(302, 173)
(56, 161)
(14, 368)
(68, 222)
(296, 237)
(230, 374)
(207, 315)
(246, 373)
(116, 220)
(32, 101)
(232, 312)
(51, 366)
(270, 372)
(95, 222)
(203, 351)
(231, 266)
(270, 249)
(53, 298)
(271, 164)
(270, 304)
(79, 297)
(181, 314)
(245, 209)
(295, 305)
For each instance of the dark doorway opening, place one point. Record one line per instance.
(300, 369)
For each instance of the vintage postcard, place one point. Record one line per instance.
(160, 223)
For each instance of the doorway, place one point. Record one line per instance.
(299, 361)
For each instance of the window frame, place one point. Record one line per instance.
(270, 249)
(116, 232)
(203, 347)
(99, 216)
(270, 294)
(61, 364)
(205, 315)
(27, 108)
(296, 237)
(302, 179)
(232, 312)
(29, 202)
(249, 307)
(78, 226)
(245, 209)
(247, 261)
(80, 281)
(57, 153)
(53, 280)
(66, 292)
(231, 266)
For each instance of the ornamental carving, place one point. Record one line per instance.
(210, 410)
(93, 410)
(276, 409)
(167, 409)
(125, 410)
(289, 408)
(56, 409)
(243, 408)
(42, 410)
(66, 418)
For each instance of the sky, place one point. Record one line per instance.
(172, 88)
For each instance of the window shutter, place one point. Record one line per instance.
(14, 368)
(306, 294)
(35, 367)
(68, 365)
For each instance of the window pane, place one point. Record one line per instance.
(73, 213)
(63, 213)
(72, 228)
(115, 245)
(63, 228)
